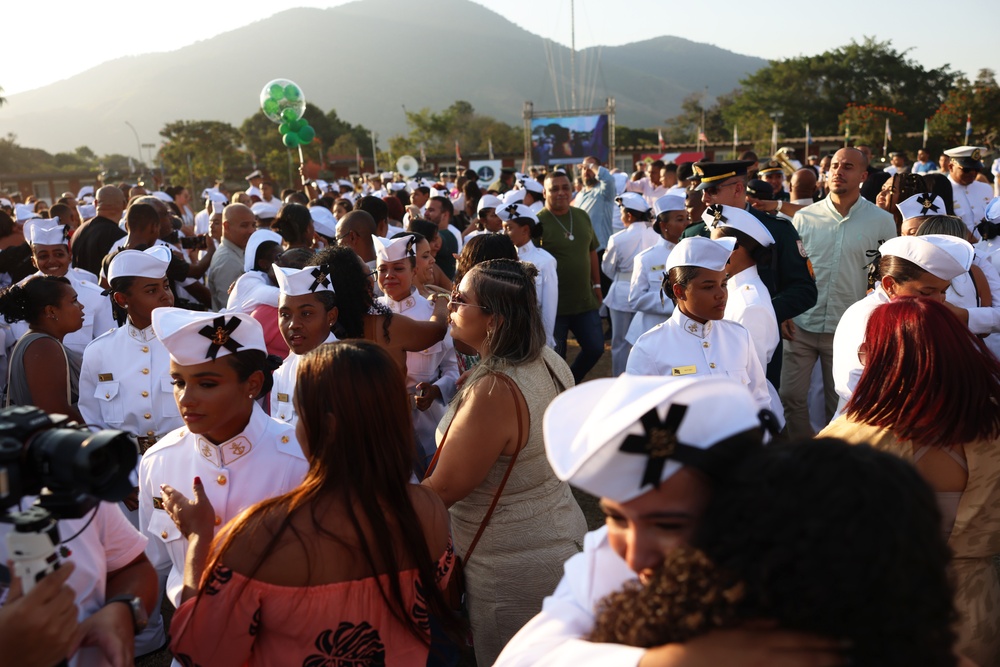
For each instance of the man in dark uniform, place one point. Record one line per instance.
(793, 290)
(775, 177)
(93, 240)
(503, 184)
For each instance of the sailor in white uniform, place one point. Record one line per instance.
(306, 314)
(969, 196)
(521, 225)
(241, 455)
(749, 301)
(989, 230)
(255, 178)
(934, 259)
(487, 220)
(534, 193)
(431, 374)
(50, 255)
(696, 340)
(255, 287)
(617, 265)
(605, 437)
(648, 269)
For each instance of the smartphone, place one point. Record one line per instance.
(199, 242)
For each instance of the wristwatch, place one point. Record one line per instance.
(139, 617)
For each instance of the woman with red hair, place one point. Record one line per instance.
(929, 393)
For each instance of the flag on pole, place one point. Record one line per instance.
(888, 130)
(131, 166)
(968, 127)
(662, 143)
(458, 153)
(925, 133)
(809, 137)
(490, 142)
(423, 154)
(736, 141)
(701, 136)
(885, 140)
(847, 133)
(360, 160)
(774, 137)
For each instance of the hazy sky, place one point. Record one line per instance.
(47, 41)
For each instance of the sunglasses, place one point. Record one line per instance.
(457, 300)
(713, 190)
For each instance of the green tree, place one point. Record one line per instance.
(208, 148)
(438, 132)
(981, 99)
(816, 89)
(3, 100)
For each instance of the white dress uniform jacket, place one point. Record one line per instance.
(283, 392)
(619, 260)
(847, 339)
(97, 317)
(680, 346)
(262, 462)
(555, 637)
(546, 285)
(749, 304)
(436, 365)
(644, 290)
(970, 202)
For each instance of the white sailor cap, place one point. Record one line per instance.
(254, 174)
(322, 186)
(668, 203)
(149, 263)
(515, 211)
(24, 212)
(299, 282)
(345, 183)
(215, 196)
(256, 239)
(386, 175)
(163, 196)
(512, 197)
(619, 438)
(264, 210)
(396, 186)
(945, 257)
(967, 156)
(393, 250)
(633, 201)
(530, 184)
(439, 193)
(193, 337)
(87, 211)
(920, 205)
(701, 252)
(992, 213)
(6, 203)
(324, 221)
(87, 190)
(42, 232)
(719, 215)
(488, 201)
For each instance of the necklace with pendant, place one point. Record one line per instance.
(567, 232)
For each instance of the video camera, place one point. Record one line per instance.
(69, 468)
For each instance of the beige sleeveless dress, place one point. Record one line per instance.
(974, 539)
(536, 526)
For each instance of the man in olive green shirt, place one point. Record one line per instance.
(569, 237)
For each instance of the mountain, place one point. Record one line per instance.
(365, 59)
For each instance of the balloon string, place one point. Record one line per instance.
(302, 160)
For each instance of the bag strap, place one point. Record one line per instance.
(983, 296)
(510, 466)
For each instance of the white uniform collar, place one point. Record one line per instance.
(669, 245)
(142, 335)
(230, 451)
(405, 304)
(694, 328)
(746, 276)
(526, 248)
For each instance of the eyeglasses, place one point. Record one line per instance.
(713, 190)
(457, 300)
(340, 239)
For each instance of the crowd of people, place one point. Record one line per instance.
(358, 426)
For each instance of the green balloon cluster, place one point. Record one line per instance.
(282, 100)
(296, 132)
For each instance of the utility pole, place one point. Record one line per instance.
(572, 53)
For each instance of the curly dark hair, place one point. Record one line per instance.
(354, 298)
(824, 537)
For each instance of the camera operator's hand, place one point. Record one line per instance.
(111, 630)
(40, 628)
(191, 516)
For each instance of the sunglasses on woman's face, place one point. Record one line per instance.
(457, 300)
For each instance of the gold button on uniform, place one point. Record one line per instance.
(163, 534)
(145, 394)
(221, 479)
(149, 433)
(705, 344)
(148, 416)
(145, 371)
(284, 438)
(145, 348)
(711, 365)
(218, 520)
(107, 396)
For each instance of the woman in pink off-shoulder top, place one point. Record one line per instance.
(349, 567)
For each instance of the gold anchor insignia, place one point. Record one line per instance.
(221, 336)
(321, 278)
(692, 327)
(976, 154)
(717, 214)
(206, 450)
(926, 202)
(238, 449)
(662, 443)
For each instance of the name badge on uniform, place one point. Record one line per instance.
(282, 398)
(157, 503)
(683, 370)
(105, 377)
(658, 268)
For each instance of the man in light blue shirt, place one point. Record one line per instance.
(598, 199)
(840, 235)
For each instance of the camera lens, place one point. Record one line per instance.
(96, 464)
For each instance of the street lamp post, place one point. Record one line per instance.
(138, 144)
